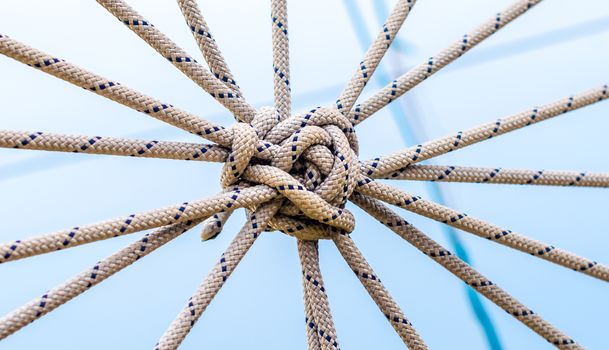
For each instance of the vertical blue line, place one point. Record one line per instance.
(402, 120)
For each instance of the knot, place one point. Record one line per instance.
(309, 158)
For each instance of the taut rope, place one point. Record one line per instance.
(292, 173)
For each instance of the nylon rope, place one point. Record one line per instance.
(292, 173)
(406, 127)
(464, 272)
(424, 70)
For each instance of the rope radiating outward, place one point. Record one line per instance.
(501, 176)
(229, 260)
(371, 281)
(319, 323)
(423, 71)
(207, 44)
(292, 173)
(45, 141)
(82, 282)
(463, 271)
(281, 57)
(134, 223)
(112, 90)
(373, 56)
(227, 96)
(386, 165)
(483, 229)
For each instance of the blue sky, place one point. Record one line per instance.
(532, 61)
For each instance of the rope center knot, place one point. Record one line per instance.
(309, 158)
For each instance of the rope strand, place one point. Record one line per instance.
(483, 229)
(208, 46)
(378, 292)
(202, 297)
(82, 282)
(386, 165)
(423, 71)
(233, 101)
(281, 58)
(113, 90)
(464, 272)
(45, 141)
(317, 307)
(76, 236)
(500, 176)
(374, 55)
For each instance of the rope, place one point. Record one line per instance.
(501, 176)
(483, 229)
(423, 71)
(321, 333)
(378, 292)
(82, 282)
(45, 141)
(207, 44)
(373, 55)
(76, 236)
(281, 57)
(202, 297)
(112, 90)
(293, 173)
(406, 128)
(385, 166)
(465, 272)
(230, 99)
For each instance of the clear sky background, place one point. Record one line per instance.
(559, 48)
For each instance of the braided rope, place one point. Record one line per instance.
(320, 326)
(293, 174)
(465, 272)
(378, 292)
(384, 166)
(112, 90)
(281, 57)
(202, 297)
(170, 114)
(230, 99)
(311, 324)
(45, 141)
(483, 229)
(207, 44)
(373, 56)
(423, 71)
(178, 213)
(500, 176)
(82, 282)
